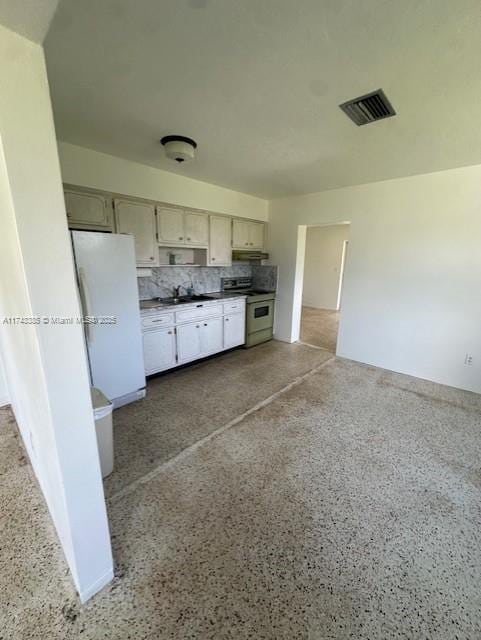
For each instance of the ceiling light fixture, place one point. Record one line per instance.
(179, 148)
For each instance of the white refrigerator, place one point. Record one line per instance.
(107, 282)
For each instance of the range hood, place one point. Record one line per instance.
(253, 254)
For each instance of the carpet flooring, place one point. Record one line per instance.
(348, 506)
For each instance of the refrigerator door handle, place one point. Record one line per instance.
(86, 307)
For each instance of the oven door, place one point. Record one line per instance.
(260, 315)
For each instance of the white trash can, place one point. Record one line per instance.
(103, 426)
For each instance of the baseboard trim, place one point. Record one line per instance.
(86, 594)
(4, 400)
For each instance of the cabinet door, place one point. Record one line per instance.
(240, 234)
(170, 223)
(211, 336)
(256, 235)
(88, 211)
(196, 226)
(220, 246)
(138, 219)
(189, 342)
(159, 350)
(234, 330)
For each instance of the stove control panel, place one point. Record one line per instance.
(235, 284)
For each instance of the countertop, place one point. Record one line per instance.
(147, 305)
(222, 295)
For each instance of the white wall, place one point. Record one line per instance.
(46, 365)
(322, 265)
(4, 397)
(411, 298)
(90, 168)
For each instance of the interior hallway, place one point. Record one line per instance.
(347, 506)
(319, 327)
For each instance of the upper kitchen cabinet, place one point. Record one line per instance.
(256, 235)
(220, 242)
(240, 234)
(138, 219)
(196, 226)
(89, 211)
(247, 234)
(178, 227)
(170, 225)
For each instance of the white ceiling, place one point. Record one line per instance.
(29, 18)
(258, 82)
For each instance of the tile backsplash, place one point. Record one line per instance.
(264, 277)
(202, 279)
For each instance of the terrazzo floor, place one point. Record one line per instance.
(183, 406)
(347, 506)
(319, 327)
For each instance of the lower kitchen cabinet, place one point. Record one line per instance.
(189, 346)
(211, 338)
(195, 332)
(199, 339)
(234, 330)
(159, 350)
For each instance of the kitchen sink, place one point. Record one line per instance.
(200, 296)
(184, 299)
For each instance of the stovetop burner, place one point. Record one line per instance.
(243, 286)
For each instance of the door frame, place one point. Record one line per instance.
(345, 246)
(299, 275)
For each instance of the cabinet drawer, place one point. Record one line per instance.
(155, 321)
(235, 306)
(200, 311)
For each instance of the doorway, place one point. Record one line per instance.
(324, 260)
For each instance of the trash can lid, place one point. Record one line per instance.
(101, 405)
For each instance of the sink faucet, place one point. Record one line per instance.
(189, 287)
(176, 291)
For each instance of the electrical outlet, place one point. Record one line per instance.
(468, 359)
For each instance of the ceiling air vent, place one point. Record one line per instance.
(369, 108)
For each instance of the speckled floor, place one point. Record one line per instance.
(319, 327)
(347, 507)
(184, 406)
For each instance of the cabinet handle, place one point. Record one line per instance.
(188, 238)
(151, 257)
(199, 306)
(205, 324)
(247, 244)
(181, 238)
(197, 326)
(227, 319)
(169, 332)
(212, 259)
